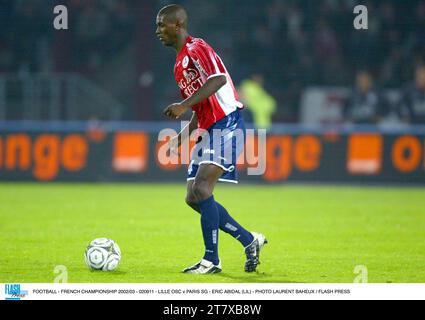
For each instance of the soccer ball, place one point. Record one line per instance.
(102, 254)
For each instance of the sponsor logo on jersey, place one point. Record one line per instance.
(185, 62)
(191, 82)
(199, 67)
(190, 75)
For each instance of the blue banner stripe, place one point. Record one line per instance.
(155, 127)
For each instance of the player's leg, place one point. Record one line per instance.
(227, 223)
(190, 197)
(201, 185)
(202, 189)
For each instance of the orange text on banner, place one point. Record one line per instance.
(18, 152)
(172, 162)
(304, 152)
(44, 155)
(250, 157)
(406, 154)
(74, 152)
(279, 150)
(307, 152)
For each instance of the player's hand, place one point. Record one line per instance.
(175, 110)
(174, 145)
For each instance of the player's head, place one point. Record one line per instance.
(364, 80)
(258, 78)
(420, 77)
(171, 22)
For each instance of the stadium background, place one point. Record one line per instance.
(109, 66)
(85, 105)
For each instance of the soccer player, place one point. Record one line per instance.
(412, 104)
(208, 90)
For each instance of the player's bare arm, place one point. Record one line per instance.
(213, 84)
(176, 141)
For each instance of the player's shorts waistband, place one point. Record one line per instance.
(228, 121)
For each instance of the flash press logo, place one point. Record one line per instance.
(14, 292)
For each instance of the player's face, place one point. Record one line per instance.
(165, 31)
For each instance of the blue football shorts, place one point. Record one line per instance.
(221, 146)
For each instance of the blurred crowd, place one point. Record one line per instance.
(315, 42)
(296, 44)
(101, 29)
(293, 44)
(367, 103)
(98, 29)
(25, 37)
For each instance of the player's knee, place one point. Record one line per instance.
(191, 202)
(201, 189)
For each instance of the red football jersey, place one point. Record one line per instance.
(195, 64)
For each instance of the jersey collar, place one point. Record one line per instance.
(183, 49)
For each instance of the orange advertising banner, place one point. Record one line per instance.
(136, 156)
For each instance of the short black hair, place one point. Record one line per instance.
(174, 13)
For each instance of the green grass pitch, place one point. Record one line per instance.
(316, 233)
